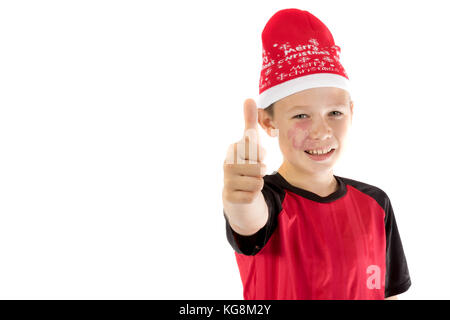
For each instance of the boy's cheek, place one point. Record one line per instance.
(297, 135)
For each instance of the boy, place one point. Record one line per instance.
(303, 232)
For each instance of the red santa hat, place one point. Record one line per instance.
(298, 53)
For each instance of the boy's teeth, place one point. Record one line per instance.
(318, 151)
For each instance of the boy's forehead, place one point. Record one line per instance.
(315, 96)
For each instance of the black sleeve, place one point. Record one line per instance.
(252, 244)
(397, 274)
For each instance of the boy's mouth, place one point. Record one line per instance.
(319, 155)
(319, 151)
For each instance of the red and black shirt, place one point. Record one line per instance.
(342, 246)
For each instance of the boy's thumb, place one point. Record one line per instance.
(251, 120)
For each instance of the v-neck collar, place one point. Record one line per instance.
(340, 192)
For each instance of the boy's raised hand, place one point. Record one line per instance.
(243, 166)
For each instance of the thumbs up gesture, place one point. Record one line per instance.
(243, 166)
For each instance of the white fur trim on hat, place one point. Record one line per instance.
(284, 89)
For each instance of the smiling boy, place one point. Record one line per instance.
(303, 232)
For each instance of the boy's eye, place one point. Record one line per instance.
(299, 116)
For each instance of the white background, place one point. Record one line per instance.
(115, 117)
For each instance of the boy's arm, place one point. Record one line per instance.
(247, 218)
(397, 279)
(392, 298)
(243, 201)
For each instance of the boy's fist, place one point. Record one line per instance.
(243, 166)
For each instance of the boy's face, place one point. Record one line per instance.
(312, 119)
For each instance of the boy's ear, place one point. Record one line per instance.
(266, 122)
(351, 111)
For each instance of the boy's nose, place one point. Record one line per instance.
(320, 129)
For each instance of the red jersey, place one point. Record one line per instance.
(342, 246)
